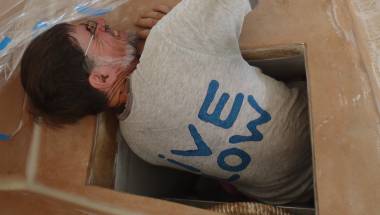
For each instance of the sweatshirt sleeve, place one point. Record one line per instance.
(206, 26)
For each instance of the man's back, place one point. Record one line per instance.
(198, 106)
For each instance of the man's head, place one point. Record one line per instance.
(71, 71)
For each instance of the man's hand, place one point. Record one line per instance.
(149, 19)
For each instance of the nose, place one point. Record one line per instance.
(101, 23)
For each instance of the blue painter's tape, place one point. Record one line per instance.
(40, 25)
(5, 42)
(92, 11)
(4, 137)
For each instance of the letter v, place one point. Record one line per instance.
(202, 147)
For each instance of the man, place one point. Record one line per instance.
(193, 103)
(70, 71)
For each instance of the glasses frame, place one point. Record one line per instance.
(91, 26)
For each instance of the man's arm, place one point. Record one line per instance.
(206, 26)
(147, 21)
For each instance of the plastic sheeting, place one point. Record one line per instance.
(21, 21)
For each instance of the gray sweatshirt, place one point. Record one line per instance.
(200, 107)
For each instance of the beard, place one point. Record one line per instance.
(127, 53)
(131, 48)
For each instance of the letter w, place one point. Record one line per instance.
(214, 118)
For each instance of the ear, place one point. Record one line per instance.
(102, 79)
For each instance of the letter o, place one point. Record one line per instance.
(244, 157)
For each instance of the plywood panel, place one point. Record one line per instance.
(25, 202)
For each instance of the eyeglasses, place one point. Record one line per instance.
(91, 26)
